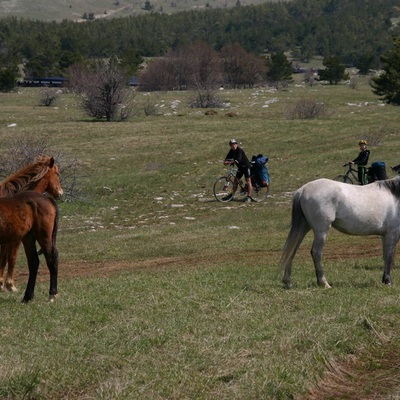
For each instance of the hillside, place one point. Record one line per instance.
(49, 10)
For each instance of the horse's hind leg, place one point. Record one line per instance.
(50, 252)
(389, 246)
(33, 265)
(316, 254)
(51, 255)
(3, 262)
(11, 254)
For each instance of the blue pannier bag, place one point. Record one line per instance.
(377, 171)
(260, 170)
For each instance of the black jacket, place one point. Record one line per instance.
(362, 158)
(240, 157)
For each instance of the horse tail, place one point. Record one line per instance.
(298, 230)
(55, 225)
(56, 220)
(54, 251)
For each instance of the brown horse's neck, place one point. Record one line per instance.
(12, 187)
(40, 186)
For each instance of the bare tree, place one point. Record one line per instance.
(206, 75)
(241, 68)
(158, 75)
(181, 68)
(206, 70)
(103, 91)
(197, 67)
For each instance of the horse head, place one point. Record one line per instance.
(50, 182)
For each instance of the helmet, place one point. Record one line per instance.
(232, 141)
(362, 142)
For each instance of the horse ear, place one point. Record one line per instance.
(51, 164)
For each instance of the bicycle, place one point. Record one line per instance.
(224, 185)
(345, 177)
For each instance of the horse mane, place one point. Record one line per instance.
(393, 185)
(25, 178)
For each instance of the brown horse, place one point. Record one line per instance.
(41, 176)
(30, 217)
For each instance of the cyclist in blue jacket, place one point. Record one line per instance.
(236, 155)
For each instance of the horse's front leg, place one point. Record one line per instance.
(316, 254)
(389, 247)
(287, 280)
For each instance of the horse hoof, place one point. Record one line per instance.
(324, 283)
(12, 288)
(387, 281)
(25, 301)
(287, 285)
(52, 298)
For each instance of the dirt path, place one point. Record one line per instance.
(372, 375)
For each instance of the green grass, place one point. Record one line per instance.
(58, 10)
(165, 293)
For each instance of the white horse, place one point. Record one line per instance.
(372, 209)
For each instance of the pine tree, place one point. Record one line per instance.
(8, 78)
(387, 84)
(334, 71)
(280, 69)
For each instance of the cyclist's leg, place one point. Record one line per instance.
(362, 175)
(247, 175)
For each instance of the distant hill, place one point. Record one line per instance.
(57, 10)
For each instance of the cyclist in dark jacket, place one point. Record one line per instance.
(237, 156)
(362, 161)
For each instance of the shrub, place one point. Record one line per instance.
(24, 150)
(306, 109)
(205, 98)
(48, 96)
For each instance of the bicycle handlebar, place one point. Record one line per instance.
(348, 164)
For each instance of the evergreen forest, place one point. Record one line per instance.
(355, 31)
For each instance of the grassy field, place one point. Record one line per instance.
(165, 293)
(58, 10)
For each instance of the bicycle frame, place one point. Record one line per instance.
(353, 172)
(229, 184)
(348, 175)
(232, 174)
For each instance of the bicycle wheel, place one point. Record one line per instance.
(223, 188)
(260, 193)
(343, 178)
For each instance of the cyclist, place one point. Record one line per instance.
(236, 155)
(362, 161)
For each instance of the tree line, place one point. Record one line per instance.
(355, 31)
(200, 67)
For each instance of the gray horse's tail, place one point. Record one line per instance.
(298, 230)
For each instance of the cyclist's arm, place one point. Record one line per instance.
(229, 159)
